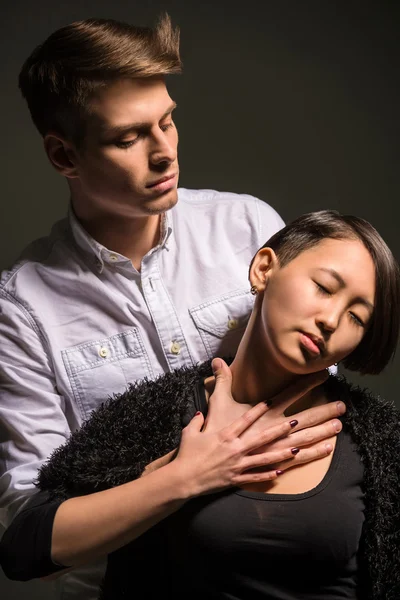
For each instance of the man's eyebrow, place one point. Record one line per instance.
(120, 129)
(342, 283)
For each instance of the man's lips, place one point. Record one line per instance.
(163, 182)
(314, 343)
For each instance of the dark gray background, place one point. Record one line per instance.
(293, 101)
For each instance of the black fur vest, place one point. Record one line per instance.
(136, 427)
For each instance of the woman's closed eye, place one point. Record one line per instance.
(356, 320)
(323, 289)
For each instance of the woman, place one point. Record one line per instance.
(327, 291)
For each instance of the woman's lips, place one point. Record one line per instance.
(309, 344)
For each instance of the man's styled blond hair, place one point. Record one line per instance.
(61, 75)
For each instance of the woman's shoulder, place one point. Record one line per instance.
(369, 417)
(359, 398)
(122, 435)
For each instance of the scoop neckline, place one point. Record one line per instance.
(203, 406)
(302, 495)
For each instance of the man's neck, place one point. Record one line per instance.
(131, 237)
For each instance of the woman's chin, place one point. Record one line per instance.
(300, 364)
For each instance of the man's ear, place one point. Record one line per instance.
(264, 264)
(62, 154)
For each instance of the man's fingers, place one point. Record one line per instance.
(318, 414)
(297, 390)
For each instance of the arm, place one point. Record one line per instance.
(91, 525)
(32, 416)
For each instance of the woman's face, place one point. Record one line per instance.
(317, 308)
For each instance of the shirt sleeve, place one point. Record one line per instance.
(25, 548)
(32, 416)
(269, 221)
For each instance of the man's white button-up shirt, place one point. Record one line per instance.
(78, 322)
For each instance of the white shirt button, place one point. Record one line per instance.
(113, 257)
(233, 323)
(175, 348)
(103, 352)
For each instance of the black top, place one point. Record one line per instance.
(25, 548)
(145, 422)
(252, 546)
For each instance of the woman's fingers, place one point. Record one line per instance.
(223, 378)
(318, 414)
(239, 426)
(315, 424)
(268, 465)
(265, 460)
(306, 455)
(311, 435)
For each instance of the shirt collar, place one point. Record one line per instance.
(103, 255)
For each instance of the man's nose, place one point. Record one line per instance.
(163, 151)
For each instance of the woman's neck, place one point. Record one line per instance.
(256, 374)
(257, 379)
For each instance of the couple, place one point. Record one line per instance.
(322, 529)
(132, 285)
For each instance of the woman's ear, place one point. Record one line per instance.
(62, 155)
(264, 264)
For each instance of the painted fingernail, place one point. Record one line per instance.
(268, 402)
(295, 450)
(279, 472)
(341, 407)
(293, 423)
(197, 414)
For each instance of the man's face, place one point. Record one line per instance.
(128, 164)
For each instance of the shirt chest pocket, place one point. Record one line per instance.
(222, 321)
(98, 369)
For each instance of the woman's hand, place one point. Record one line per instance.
(258, 443)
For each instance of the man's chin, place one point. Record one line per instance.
(163, 203)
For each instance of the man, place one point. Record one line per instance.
(132, 284)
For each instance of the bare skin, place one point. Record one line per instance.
(130, 144)
(209, 459)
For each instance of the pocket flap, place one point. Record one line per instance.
(102, 351)
(224, 314)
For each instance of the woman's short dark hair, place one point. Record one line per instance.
(379, 343)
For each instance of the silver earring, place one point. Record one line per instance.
(254, 290)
